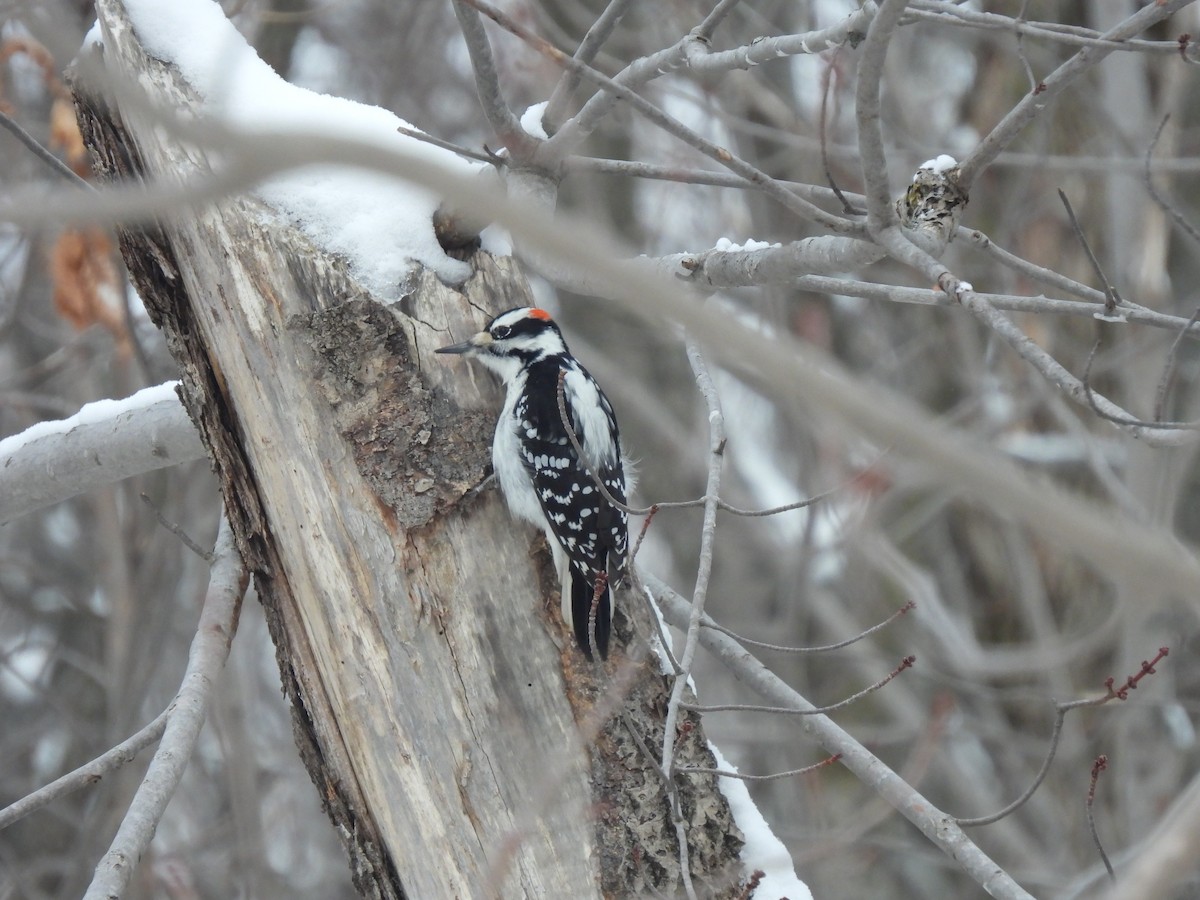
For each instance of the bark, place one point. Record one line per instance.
(439, 704)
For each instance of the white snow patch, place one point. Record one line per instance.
(100, 411)
(725, 245)
(939, 166)
(962, 288)
(664, 657)
(762, 852)
(381, 225)
(1104, 317)
(496, 240)
(531, 120)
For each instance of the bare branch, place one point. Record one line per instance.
(1185, 227)
(417, 135)
(57, 165)
(948, 13)
(706, 28)
(807, 770)
(872, 159)
(1032, 105)
(768, 49)
(667, 123)
(1111, 298)
(708, 531)
(174, 528)
(210, 647)
(906, 663)
(933, 823)
(1167, 855)
(1098, 766)
(87, 774)
(502, 119)
(564, 91)
(1060, 714)
(1164, 380)
(825, 648)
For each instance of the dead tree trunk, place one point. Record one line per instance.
(461, 745)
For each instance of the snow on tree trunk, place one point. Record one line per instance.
(438, 702)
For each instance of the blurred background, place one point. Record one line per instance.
(98, 601)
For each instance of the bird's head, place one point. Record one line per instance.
(513, 340)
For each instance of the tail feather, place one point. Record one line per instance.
(578, 614)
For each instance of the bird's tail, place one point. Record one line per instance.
(583, 591)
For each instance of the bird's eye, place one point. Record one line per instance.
(500, 332)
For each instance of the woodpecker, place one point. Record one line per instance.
(540, 474)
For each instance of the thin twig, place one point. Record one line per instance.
(1060, 714)
(724, 773)
(668, 123)
(1057, 32)
(1188, 229)
(87, 774)
(1164, 381)
(424, 137)
(1017, 22)
(939, 828)
(637, 545)
(825, 648)
(1098, 766)
(822, 133)
(706, 28)
(1040, 99)
(564, 91)
(660, 627)
(708, 531)
(906, 663)
(60, 168)
(1111, 298)
(1121, 418)
(655, 508)
(172, 527)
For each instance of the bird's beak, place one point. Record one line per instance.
(480, 340)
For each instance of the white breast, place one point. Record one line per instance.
(506, 460)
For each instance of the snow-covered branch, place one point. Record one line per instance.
(103, 443)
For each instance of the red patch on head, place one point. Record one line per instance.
(539, 314)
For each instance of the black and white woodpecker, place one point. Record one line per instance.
(539, 471)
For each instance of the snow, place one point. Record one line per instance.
(100, 411)
(762, 852)
(656, 644)
(531, 120)
(725, 245)
(381, 225)
(939, 166)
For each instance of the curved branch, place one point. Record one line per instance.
(210, 648)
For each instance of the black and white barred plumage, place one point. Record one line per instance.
(538, 469)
